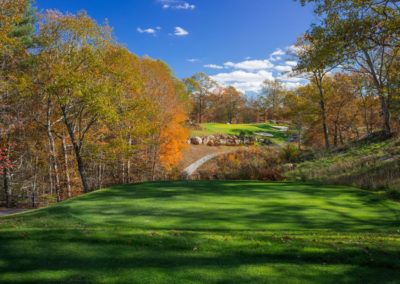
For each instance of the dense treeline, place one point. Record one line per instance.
(212, 102)
(79, 111)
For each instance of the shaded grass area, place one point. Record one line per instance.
(206, 232)
(237, 129)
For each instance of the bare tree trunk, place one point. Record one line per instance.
(341, 137)
(52, 151)
(200, 119)
(385, 114)
(99, 175)
(81, 170)
(335, 135)
(153, 166)
(34, 184)
(51, 177)
(128, 171)
(54, 165)
(123, 171)
(66, 168)
(378, 82)
(7, 187)
(76, 145)
(323, 111)
(365, 114)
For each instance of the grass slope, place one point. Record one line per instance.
(237, 129)
(207, 232)
(374, 166)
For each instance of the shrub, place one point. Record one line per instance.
(248, 164)
(290, 154)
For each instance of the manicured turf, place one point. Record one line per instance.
(207, 232)
(237, 129)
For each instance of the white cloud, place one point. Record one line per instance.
(278, 52)
(291, 82)
(283, 68)
(277, 55)
(293, 50)
(185, 6)
(248, 76)
(244, 81)
(286, 78)
(180, 31)
(291, 63)
(291, 85)
(250, 65)
(213, 66)
(147, 31)
(193, 60)
(177, 5)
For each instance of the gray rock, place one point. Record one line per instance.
(196, 140)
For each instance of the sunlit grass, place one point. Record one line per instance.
(207, 232)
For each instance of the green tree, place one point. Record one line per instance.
(200, 87)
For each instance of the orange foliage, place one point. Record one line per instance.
(173, 140)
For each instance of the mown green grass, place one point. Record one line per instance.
(207, 232)
(237, 129)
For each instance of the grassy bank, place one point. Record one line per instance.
(372, 166)
(206, 232)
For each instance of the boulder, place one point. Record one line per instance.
(196, 140)
(207, 139)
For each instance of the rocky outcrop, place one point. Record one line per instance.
(227, 140)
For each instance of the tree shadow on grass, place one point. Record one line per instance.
(226, 205)
(205, 232)
(95, 254)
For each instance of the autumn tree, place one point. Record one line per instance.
(168, 134)
(74, 47)
(271, 97)
(15, 35)
(366, 39)
(317, 59)
(200, 87)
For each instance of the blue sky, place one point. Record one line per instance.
(231, 40)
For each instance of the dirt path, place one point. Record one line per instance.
(192, 168)
(195, 152)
